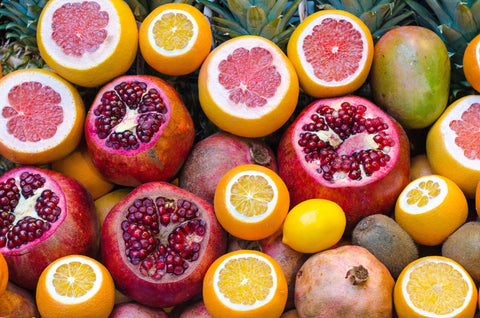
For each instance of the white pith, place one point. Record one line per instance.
(88, 59)
(67, 103)
(220, 95)
(241, 307)
(191, 42)
(433, 202)
(430, 314)
(449, 135)
(271, 204)
(309, 68)
(73, 300)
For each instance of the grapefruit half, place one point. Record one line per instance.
(248, 87)
(332, 51)
(453, 144)
(88, 42)
(41, 117)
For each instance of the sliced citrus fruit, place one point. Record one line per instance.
(42, 116)
(430, 208)
(248, 87)
(251, 202)
(471, 63)
(314, 225)
(3, 274)
(175, 38)
(434, 287)
(80, 166)
(75, 286)
(453, 144)
(244, 284)
(332, 51)
(88, 42)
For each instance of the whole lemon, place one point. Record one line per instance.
(314, 225)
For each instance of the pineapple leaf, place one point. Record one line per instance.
(232, 25)
(366, 4)
(271, 28)
(35, 10)
(276, 10)
(266, 5)
(453, 37)
(375, 17)
(450, 6)
(353, 6)
(239, 9)
(475, 8)
(282, 38)
(256, 19)
(217, 8)
(336, 3)
(289, 13)
(227, 31)
(393, 22)
(442, 16)
(463, 18)
(139, 8)
(424, 16)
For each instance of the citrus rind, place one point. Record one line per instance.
(433, 201)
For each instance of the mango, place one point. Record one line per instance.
(410, 75)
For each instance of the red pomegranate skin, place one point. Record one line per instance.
(136, 310)
(215, 155)
(195, 310)
(77, 234)
(377, 196)
(170, 290)
(158, 163)
(326, 287)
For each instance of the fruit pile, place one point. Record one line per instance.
(239, 158)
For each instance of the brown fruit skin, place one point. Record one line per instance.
(165, 292)
(215, 155)
(80, 234)
(463, 246)
(136, 310)
(159, 163)
(17, 302)
(195, 310)
(387, 241)
(290, 314)
(323, 290)
(419, 167)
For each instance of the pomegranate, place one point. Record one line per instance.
(347, 282)
(138, 130)
(346, 150)
(215, 155)
(133, 309)
(17, 302)
(44, 215)
(158, 243)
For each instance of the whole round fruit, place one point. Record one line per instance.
(314, 225)
(3, 274)
(347, 282)
(214, 156)
(17, 302)
(134, 309)
(410, 75)
(158, 243)
(346, 150)
(138, 130)
(44, 215)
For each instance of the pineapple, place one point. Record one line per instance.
(457, 23)
(379, 15)
(267, 18)
(18, 23)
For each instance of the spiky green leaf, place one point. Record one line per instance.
(239, 8)
(276, 10)
(231, 25)
(256, 19)
(442, 16)
(475, 8)
(353, 6)
(218, 9)
(270, 30)
(288, 13)
(453, 38)
(227, 31)
(450, 6)
(463, 19)
(374, 18)
(266, 5)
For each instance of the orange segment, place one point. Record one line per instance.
(42, 116)
(75, 286)
(431, 208)
(88, 42)
(452, 146)
(251, 202)
(175, 38)
(245, 283)
(248, 87)
(332, 52)
(435, 286)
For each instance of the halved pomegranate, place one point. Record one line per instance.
(138, 130)
(44, 215)
(346, 150)
(158, 243)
